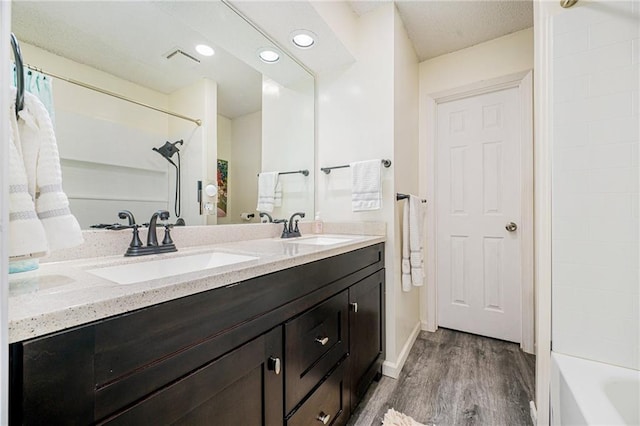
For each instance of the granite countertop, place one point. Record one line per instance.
(64, 294)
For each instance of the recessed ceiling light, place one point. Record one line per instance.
(268, 55)
(205, 50)
(303, 39)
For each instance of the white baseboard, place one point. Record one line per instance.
(393, 369)
(533, 412)
(425, 327)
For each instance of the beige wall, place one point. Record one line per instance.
(246, 154)
(494, 58)
(199, 152)
(405, 148)
(224, 153)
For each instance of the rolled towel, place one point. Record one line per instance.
(412, 265)
(366, 185)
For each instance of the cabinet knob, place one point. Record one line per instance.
(274, 364)
(322, 340)
(354, 306)
(324, 418)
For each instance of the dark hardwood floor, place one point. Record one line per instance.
(455, 378)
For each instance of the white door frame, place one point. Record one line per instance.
(523, 81)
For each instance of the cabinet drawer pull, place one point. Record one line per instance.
(274, 365)
(322, 340)
(354, 306)
(324, 418)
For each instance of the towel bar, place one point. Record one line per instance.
(327, 170)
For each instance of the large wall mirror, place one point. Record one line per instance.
(256, 116)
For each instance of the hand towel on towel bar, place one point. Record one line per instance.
(26, 234)
(277, 200)
(267, 182)
(366, 185)
(412, 256)
(42, 165)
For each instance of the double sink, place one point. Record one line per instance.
(154, 269)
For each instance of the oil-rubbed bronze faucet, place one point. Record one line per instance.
(136, 248)
(293, 230)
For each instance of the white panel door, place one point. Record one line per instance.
(478, 194)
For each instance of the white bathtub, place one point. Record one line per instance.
(592, 393)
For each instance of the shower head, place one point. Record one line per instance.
(168, 149)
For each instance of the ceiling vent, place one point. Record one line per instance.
(180, 58)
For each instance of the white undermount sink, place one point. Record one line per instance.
(145, 271)
(320, 241)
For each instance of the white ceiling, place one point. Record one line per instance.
(439, 27)
(280, 18)
(130, 39)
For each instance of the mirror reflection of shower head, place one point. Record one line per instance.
(168, 149)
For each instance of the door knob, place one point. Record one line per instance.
(354, 306)
(511, 226)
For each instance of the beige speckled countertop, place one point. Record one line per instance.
(63, 294)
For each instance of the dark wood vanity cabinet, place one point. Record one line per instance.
(284, 348)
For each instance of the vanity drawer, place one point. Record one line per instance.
(314, 342)
(327, 405)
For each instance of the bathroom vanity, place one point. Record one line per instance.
(296, 346)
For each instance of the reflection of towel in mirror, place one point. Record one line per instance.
(277, 201)
(267, 182)
(42, 165)
(412, 256)
(366, 185)
(26, 234)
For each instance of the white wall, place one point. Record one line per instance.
(595, 282)
(105, 143)
(287, 129)
(495, 58)
(199, 152)
(357, 121)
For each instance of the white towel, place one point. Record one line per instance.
(366, 185)
(42, 165)
(412, 255)
(278, 195)
(26, 234)
(267, 182)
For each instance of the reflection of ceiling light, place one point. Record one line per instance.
(205, 50)
(268, 55)
(303, 39)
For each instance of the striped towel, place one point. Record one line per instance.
(267, 182)
(41, 162)
(366, 185)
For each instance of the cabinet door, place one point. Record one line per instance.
(244, 387)
(366, 313)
